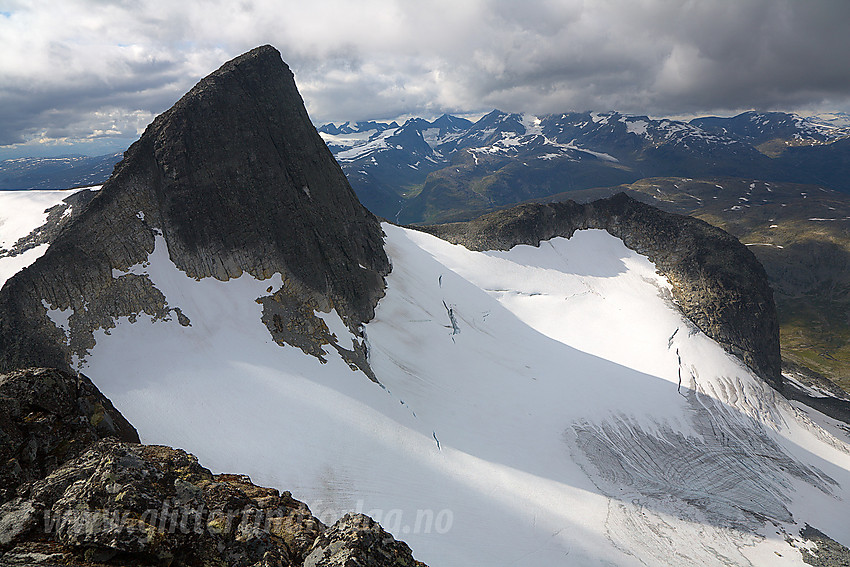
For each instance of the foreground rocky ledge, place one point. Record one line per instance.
(116, 502)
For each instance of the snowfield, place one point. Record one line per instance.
(22, 212)
(541, 406)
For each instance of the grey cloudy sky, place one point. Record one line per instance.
(86, 76)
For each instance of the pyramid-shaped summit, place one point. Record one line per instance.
(234, 178)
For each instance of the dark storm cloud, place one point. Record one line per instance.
(84, 68)
(55, 109)
(665, 57)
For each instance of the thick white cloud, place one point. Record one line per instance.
(82, 69)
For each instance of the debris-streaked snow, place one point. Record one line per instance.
(546, 405)
(811, 390)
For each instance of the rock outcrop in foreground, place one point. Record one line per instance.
(48, 417)
(235, 178)
(717, 282)
(80, 490)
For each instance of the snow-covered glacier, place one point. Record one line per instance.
(539, 406)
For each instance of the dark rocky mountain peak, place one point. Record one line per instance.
(236, 179)
(762, 127)
(351, 128)
(443, 132)
(409, 136)
(451, 122)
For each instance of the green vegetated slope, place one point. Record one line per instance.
(476, 183)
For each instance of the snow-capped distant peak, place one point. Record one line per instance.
(532, 124)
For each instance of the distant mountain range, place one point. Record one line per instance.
(778, 181)
(451, 168)
(56, 172)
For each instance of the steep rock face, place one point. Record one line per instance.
(236, 179)
(717, 283)
(46, 417)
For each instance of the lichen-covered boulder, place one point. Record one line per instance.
(48, 416)
(357, 540)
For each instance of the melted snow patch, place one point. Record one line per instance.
(60, 318)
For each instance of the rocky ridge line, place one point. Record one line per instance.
(48, 417)
(717, 282)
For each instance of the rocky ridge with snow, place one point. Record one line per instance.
(716, 281)
(234, 179)
(79, 488)
(800, 234)
(761, 127)
(57, 217)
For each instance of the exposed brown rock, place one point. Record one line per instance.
(79, 490)
(128, 503)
